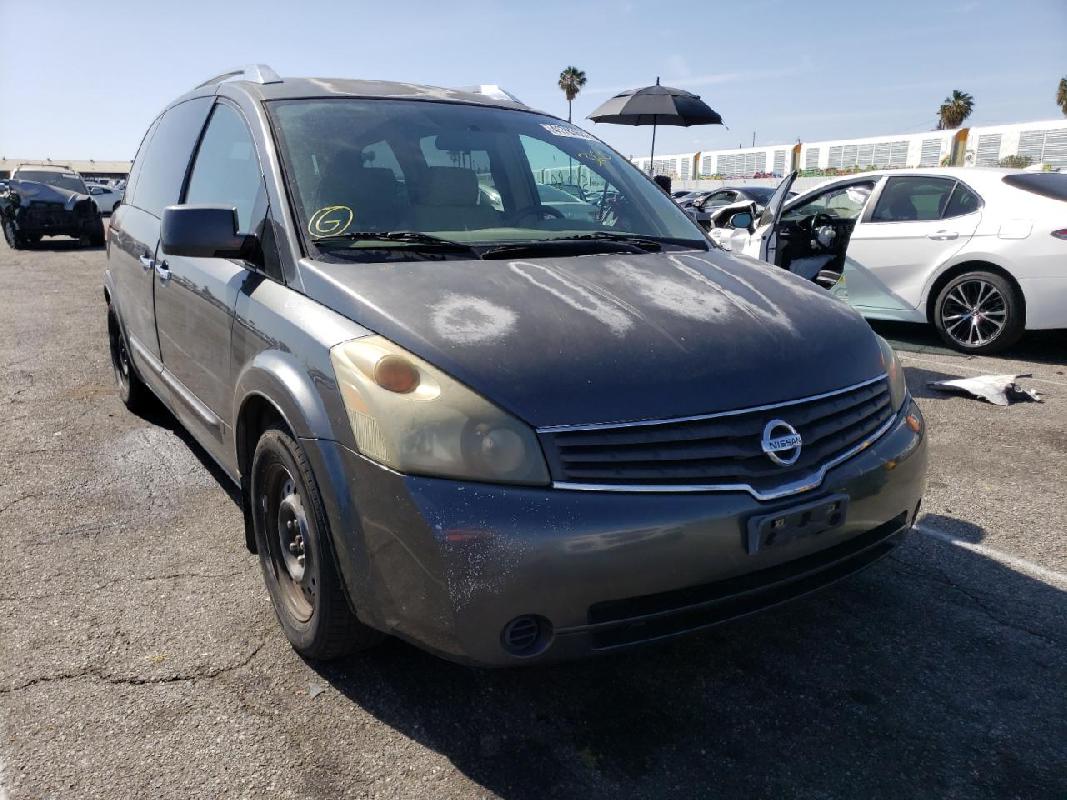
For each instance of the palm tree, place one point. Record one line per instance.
(956, 108)
(571, 81)
(1061, 96)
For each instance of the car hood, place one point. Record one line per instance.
(34, 191)
(606, 338)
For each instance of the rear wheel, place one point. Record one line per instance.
(295, 554)
(96, 237)
(979, 312)
(133, 393)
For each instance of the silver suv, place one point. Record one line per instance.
(460, 416)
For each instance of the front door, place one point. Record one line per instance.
(195, 297)
(917, 223)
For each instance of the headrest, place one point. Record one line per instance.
(447, 186)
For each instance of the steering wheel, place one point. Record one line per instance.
(542, 212)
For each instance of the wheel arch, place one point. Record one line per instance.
(273, 389)
(962, 267)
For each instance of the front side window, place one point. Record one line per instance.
(481, 176)
(226, 171)
(162, 172)
(842, 202)
(913, 198)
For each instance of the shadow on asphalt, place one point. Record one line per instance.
(1043, 347)
(893, 678)
(155, 413)
(61, 245)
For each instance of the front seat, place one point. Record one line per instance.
(446, 199)
(371, 193)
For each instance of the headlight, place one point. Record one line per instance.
(410, 416)
(898, 386)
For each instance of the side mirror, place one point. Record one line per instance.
(203, 232)
(742, 219)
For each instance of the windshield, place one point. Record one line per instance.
(761, 194)
(62, 180)
(469, 174)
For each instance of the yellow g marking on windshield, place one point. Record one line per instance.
(330, 221)
(599, 158)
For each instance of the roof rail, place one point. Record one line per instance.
(257, 73)
(494, 91)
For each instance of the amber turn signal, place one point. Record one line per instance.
(396, 374)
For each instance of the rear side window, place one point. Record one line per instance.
(162, 170)
(963, 201)
(913, 198)
(1046, 184)
(226, 171)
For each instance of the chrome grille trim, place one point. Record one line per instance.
(811, 478)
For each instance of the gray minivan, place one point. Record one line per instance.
(460, 417)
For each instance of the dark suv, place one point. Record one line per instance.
(460, 417)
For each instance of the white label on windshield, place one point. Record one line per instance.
(567, 130)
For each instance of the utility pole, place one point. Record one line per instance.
(753, 138)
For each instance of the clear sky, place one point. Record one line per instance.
(83, 79)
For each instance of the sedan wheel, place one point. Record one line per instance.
(979, 312)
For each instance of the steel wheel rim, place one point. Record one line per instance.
(288, 544)
(974, 313)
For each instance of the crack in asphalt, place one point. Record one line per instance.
(128, 579)
(96, 672)
(943, 578)
(18, 500)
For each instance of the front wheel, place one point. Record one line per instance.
(295, 554)
(12, 236)
(979, 312)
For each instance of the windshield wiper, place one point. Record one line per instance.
(644, 242)
(422, 241)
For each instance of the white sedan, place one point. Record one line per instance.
(105, 197)
(979, 253)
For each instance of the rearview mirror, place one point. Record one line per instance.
(203, 231)
(742, 219)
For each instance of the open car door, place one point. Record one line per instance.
(765, 243)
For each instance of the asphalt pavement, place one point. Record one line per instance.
(140, 658)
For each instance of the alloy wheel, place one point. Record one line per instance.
(974, 313)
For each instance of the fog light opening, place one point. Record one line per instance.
(526, 636)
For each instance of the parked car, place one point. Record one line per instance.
(506, 435)
(566, 205)
(705, 203)
(105, 197)
(978, 253)
(48, 201)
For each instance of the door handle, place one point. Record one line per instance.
(943, 236)
(147, 262)
(163, 271)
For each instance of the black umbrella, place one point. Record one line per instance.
(656, 105)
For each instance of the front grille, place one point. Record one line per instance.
(40, 214)
(621, 622)
(719, 449)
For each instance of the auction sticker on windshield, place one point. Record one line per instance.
(569, 131)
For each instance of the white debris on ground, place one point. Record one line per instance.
(1000, 390)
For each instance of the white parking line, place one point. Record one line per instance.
(1021, 564)
(957, 365)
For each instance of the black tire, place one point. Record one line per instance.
(13, 237)
(979, 312)
(96, 238)
(295, 553)
(132, 391)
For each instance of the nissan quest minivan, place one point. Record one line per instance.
(460, 416)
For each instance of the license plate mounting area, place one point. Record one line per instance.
(795, 522)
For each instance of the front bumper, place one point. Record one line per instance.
(447, 564)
